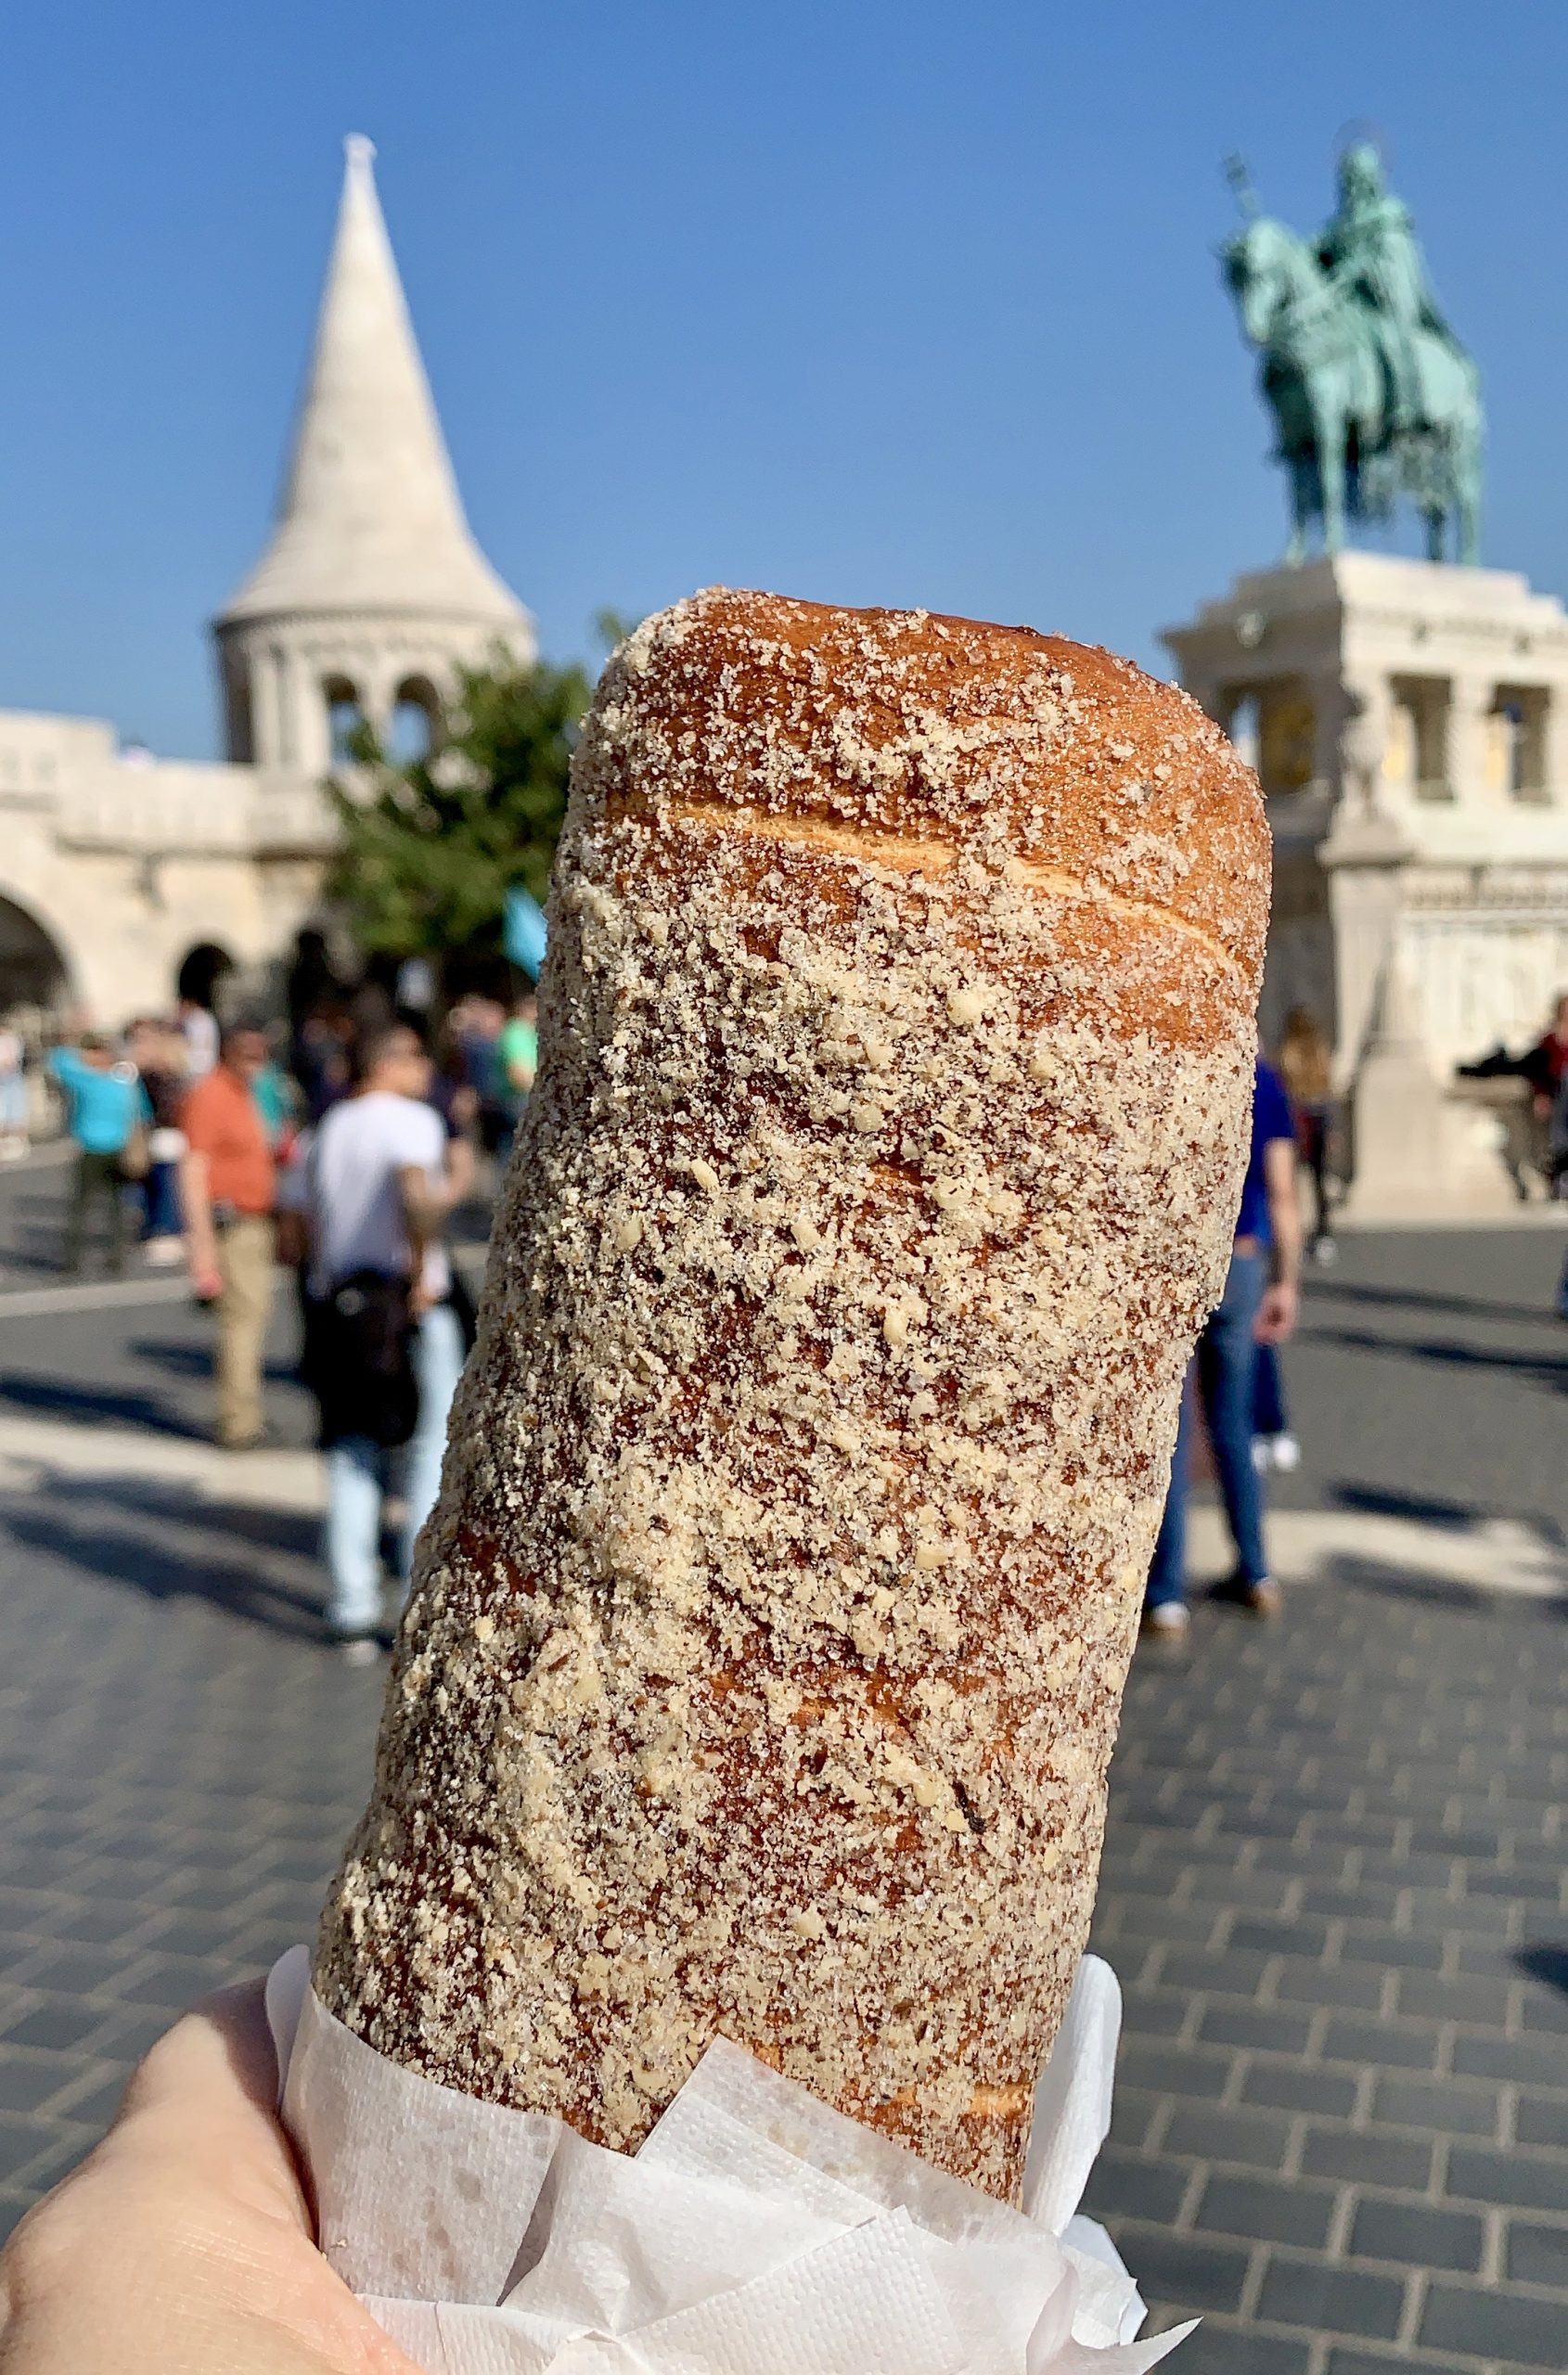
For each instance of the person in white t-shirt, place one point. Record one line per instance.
(374, 1186)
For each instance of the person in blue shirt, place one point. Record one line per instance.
(105, 1105)
(1258, 1307)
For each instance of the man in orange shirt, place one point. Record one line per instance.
(230, 1189)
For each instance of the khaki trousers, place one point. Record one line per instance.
(245, 1266)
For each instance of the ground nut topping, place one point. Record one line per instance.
(766, 1648)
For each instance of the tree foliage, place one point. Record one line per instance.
(430, 848)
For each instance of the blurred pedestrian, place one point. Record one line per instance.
(198, 1026)
(1306, 1061)
(1274, 1445)
(518, 1052)
(386, 1342)
(158, 1052)
(228, 1187)
(108, 1114)
(321, 1054)
(1546, 1068)
(477, 1022)
(13, 1095)
(1258, 1307)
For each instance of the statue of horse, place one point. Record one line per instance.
(1323, 374)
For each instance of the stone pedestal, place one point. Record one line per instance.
(1414, 1154)
(1409, 723)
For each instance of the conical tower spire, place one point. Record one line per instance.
(370, 517)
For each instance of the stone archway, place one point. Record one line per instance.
(34, 971)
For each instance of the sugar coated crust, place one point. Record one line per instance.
(766, 1648)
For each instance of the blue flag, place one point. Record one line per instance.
(523, 932)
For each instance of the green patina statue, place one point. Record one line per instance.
(1373, 394)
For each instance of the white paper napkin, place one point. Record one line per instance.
(757, 2231)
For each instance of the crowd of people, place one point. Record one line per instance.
(344, 1155)
(341, 1159)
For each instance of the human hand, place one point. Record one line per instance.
(1277, 1312)
(183, 2245)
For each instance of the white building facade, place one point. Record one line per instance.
(115, 867)
(1409, 723)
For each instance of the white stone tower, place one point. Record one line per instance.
(372, 587)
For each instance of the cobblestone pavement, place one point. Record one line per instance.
(1334, 1882)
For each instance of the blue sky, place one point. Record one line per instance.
(873, 301)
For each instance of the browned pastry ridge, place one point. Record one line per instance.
(766, 1648)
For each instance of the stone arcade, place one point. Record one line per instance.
(1409, 722)
(117, 867)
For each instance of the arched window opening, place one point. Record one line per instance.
(240, 716)
(345, 717)
(416, 722)
(1242, 727)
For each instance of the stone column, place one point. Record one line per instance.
(1364, 858)
(1555, 735)
(1469, 706)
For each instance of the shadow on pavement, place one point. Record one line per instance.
(1428, 1591)
(99, 1535)
(1423, 1508)
(1445, 1352)
(1548, 1964)
(62, 1398)
(1322, 1290)
(196, 1360)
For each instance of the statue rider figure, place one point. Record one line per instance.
(1370, 253)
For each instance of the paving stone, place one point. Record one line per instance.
(1520, 2180)
(1330, 2300)
(1545, 2012)
(1358, 1989)
(1424, 1995)
(21, 2141)
(1132, 2114)
(1391, 1949)
(1203, 2132)
(1538, 2255)
(1542, 2119)
(1494, 2325)
(1424, 2102)
(1358, 1901)
(1266, 2211)
(1417, 2235)
(1125, 2185)
(1224, 2023)
(1367, 2157)
(1150, 2012)
(1234, 2350)
(28, 2080)
(1172, 2070)
(1222, 1968)
(1529, 2061)
(1286, 2086)
(1401, 2044)
(57, 2026)
(1302, 1936)
(1379, 2362)
(1188, 2270)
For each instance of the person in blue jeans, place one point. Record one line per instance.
(373, 1185)
(1258, 1307)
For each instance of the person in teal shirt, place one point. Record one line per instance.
(274, 1101)
(105, 1104)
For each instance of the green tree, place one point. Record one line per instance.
(430, 847)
